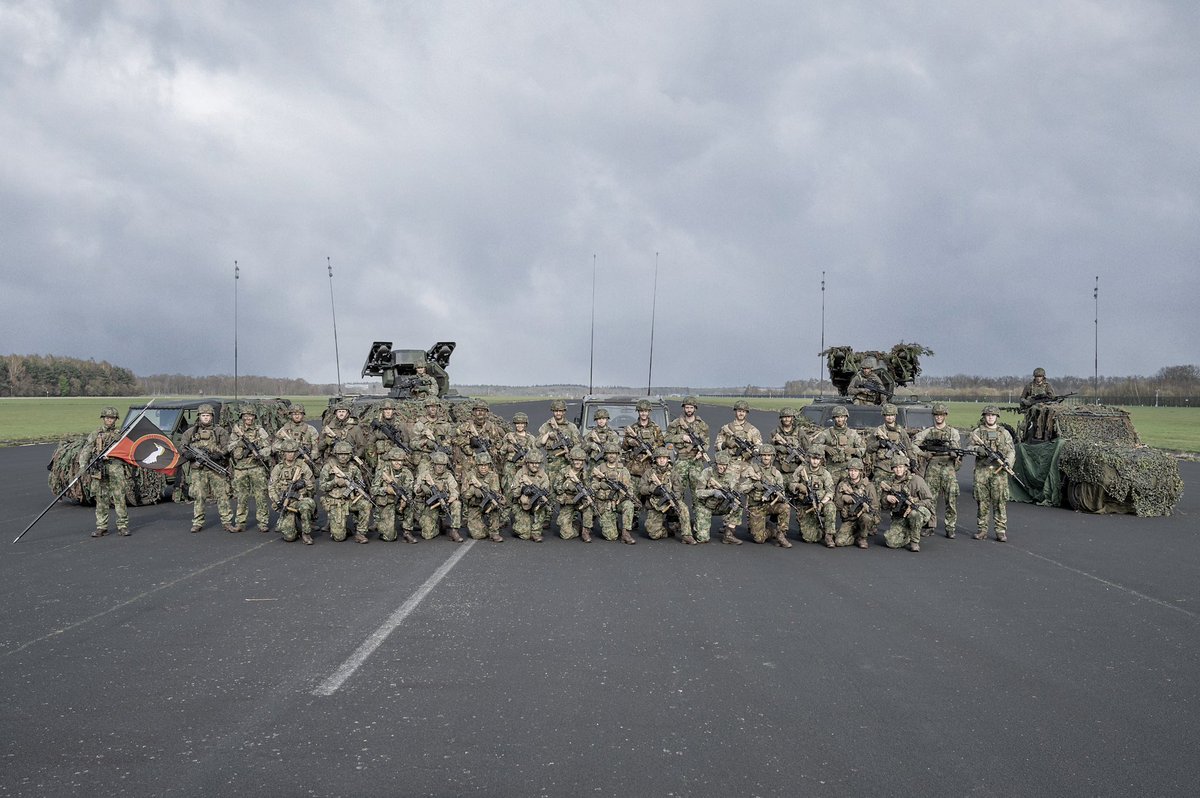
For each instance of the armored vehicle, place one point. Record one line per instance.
(912, 414)
(622, 411)
(1093, 461)
(897, 368)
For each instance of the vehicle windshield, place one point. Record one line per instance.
(622, 415)
(163, 418)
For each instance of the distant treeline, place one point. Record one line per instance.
(48, 375)
(222, 385)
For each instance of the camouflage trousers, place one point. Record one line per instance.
(816, 524)
(207, 486)
(689, 471)
(903, 531)
(656, 521)
(339, 511)
(480, 524)
(943, 481)
(707, 509)
(109, 492)
(607, 512)
(385, 518)
(251, 483)
(852, 529)
(431, 518)
(567, 513)
(527, 523)
(303, 509)
(760, 513)
(991, 496)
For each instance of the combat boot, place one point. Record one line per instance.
(730, 538)
(829, 544)
(196, 527)
(950, 534)
(980, 535)
(781, 540)
(627, 538)
(123, 531)
(862, 542)
(307, 538)
(688, 539)
(536, 537)
(230, 528)
(494, 537)
(454, 536)
(99, 533)
(914, 546)
(1001, 537)
(359, 537)
(585, 535)
(408, 536)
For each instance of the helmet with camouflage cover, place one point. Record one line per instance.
(643, 404)
(479, 404)
(741, 404)
(483, 458)
(296, 408)
(601, 413)
(396, 453)
(785, 412)
(577, 453)
(520, 418)
(991, 410)
(287, 445)
(723, 458)
(694, 401)
(558, 404)
(109, 412)
(661, 451)
(439, 458)
(534, 456)
(869, 362)
(432, 402)
(343, 447)
(889, 409)
(899, 460)
(854, 463)
(612, 448)
(344, 404)
(388, 404)
(1039, 372)
(766, 448)
(816, 452)
(940, 409)
(249, 410)
(840, 412)
(207, 408)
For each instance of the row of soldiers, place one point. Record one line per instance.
(431, 473)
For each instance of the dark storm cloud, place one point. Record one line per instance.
(961, 180)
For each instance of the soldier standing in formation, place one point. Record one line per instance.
(813, 486)
(840, 443)
(885, 442)
(940, 445)
(344, 493)
(342, 427)
(484, 500)
(739, 437)
(384, 434)
(689, 435)
(298, 430)
(290, 488)
(477, 435)
(858, 503)
(109, 478)
(557, 437)
(205, 481)
(766, 498)
(613, 486)
(430, 434)
(717, 495)
(600, 436)
(662, 495)
(249, 449)
(911, 504)
(993, 450)
(437, 489)
(791, 444)
(574, 498)
(392, 493)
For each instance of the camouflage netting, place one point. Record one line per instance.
(272, 413)
(410, 410)
(899, 367)
(145, 486)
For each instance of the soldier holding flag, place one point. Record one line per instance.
(109, 479)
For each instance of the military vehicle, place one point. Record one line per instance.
(622, 411)
(912, 414)
(1093, 461)
(894, 369)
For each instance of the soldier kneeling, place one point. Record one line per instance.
(290, 488)
(438, 488)
(344, 493)
(911, 503)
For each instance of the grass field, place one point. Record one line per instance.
(37, 419)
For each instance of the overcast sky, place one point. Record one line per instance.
(960, 172)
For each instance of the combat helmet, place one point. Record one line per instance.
(483, 458)
(940, 409)
(785, 412)
(1039, 372)
(855, 463)
(287, 445)
(388, 404)
(869, 362)
(249, 410)
(479, 404)
(558, 404)
(643, 404)
(889, 409)
(661, 451)
(766, 448)
(899, 460)
(991, 410)
(206, 408)
(439, 458)
(612, 448)
(839, 412)
(343, 447)
(109, 412)
(293, 410)
(520, 418)
(395, 453)
(694, 401)
(741, 404)
(817, 452)
(723, 458)
(534, 456)
(577, 454)
(601, 413)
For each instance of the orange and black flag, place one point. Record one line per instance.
(146, 446)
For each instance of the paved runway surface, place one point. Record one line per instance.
(166, 663)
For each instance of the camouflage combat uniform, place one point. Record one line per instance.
(611, 500)
(907, 521)
(513, 448)
(886, 441)
(991, 481)
(739, 437)
(298, 430)
(840, 443)
(716, 485)
(438, 479)
(941, 471)
(662, 494)
(384, 434)
(430, 434)
(690, 437)
(557, 437)
(813, 483)
(204, 483)
(567, 487)
(341, 427)
(392, 494)
(109, 478)
(858, 505)
(791, 444)
(529, 495)
(858, 389)
(1039, 419)
(250, 471)
(484, 500)
(479, 434)
(343, 493)
(600, 436)
(766, 498)
(292, 471)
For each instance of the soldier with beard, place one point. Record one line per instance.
(109, 478)
(205, 481)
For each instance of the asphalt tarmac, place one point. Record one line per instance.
(177, 664)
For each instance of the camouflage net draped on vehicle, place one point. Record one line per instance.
(145, 486)
(897, 368)
(412, 410)
(272, 413)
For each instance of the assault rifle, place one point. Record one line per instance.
(563, 444)
(859, 506)
(618, 486)
(810, 496)
(539, 495)
(874, 387)
(645, 453)
(491, 499)
(943, 448)
(392, 434)
(193, 452)
(993, 458)
(479, 444)
(744, 447)
(773, 493)
(354, 484)
(792, 454)
(663, 492)
(1044, 400)
(584, 496)
(699, 445)
(904, 500)
(437, 497)
(889, 447)
(518, 454)
(401, 493)
(729, 498)
(255, 452)
(290, 495)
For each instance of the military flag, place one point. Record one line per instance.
(146, 446)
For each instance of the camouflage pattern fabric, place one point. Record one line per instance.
(754, 479)
(142, 486)
(340, 500)
(482, 524)
(709, 502)
(906, 526)
(302, 506)
(430, 517)
(611, 503)
(862, 525)
(815, 524)
(565, 488)
(528, 518)
(658, 509)
(389, 487)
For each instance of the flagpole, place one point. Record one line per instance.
(653, 308)
(592, 360)
(236, 273)
(98, 458)
(333, 310)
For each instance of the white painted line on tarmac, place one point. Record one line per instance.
(1128, 590)
(347, 668)
(138, 597)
